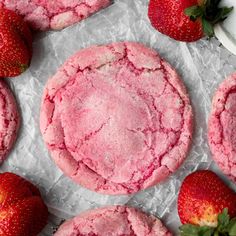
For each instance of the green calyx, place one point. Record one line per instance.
(210, 13)
(225, 227)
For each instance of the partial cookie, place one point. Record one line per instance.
(9, 120)
(113, 221)
(116, 118)
(222, 127)
(56, 15)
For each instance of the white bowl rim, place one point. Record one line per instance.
(224, 37)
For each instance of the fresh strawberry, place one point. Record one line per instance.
(205, 205)
(22, 210)
(13, 188)
(15, 44)
(186, 20)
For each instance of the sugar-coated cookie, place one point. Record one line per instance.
(54, 14)
(116, 118)
(222, 127)
(113, 221)
(9, 120)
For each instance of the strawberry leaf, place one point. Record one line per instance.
(232, 227)
(225, 12)
(208, 232)
(207, 28)
(194, 230)
(187, 230)
(223, 218)
(194, 12)
(222, 14)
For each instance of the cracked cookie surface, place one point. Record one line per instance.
(54, 14)
(9, 120)
(116, 118)
(113, 221)
(222, 127)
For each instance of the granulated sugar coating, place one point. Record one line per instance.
(222, 127)
(116, 118)
(113, 221)
(54, 14)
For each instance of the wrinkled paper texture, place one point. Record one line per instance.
(202, 66)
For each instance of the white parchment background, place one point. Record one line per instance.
(202, 65)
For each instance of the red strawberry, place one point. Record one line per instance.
(15, 44)
(186, 20)
(22, 210)
(202, 198)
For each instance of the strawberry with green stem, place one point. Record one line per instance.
(206, 206)
(225, 227)
(186, 20)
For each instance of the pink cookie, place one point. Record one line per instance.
(222, 127)
(116, 118)
(54, 14)
(113, 221)
(9, 120)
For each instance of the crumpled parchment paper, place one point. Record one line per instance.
(202, 66)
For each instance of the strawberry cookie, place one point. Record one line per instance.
(9, 120)
(113, 221)
(56, 15)
(116, 118)
(222, 127)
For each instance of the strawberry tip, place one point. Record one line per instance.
(23, 68)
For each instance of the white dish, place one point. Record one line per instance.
(226, 31)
